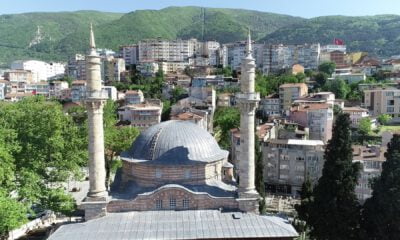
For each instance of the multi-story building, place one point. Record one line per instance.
(112, 68)
(78, 91)
(134, 97)
(76, 67)
(40, 88)
(41, 71)
(288, 162)
(283, 57)
(356, 114)
(382, 101)
(317, 98)
(371, 159)
(318, 118)
(290, 92)
(235, 52)
(333, 47)
(338, 57)
(270, 105)
(57, 89)
(142, 115)
(19, 76)
(3, 90)
(130, 54)
(158, 50)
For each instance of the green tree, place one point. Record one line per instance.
(364, 128)
(51, 147)
(327, 67)
(259, 179)
(177, 93)
(334, 211)
(226, 118)
(384, 119)
(338, 86)
(303, 209)
(381, 212)
(12, 215)
(320, 78)
(59, 201)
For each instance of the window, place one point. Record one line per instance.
(158, 173)
(172, 203)
(187, 174)
(390, 109)
(158, 204)
(185, 203)
(390, 102)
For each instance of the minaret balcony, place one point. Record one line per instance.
(94, 95)
(248, 97)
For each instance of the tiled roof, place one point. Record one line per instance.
(190, 224)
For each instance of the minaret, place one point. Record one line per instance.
(247, 101)
(94, 104)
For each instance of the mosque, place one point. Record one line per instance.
(176, 182)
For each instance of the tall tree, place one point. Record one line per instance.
(12, 215)
(364, 128)
(259, 179)
(334, 212)
(303, 209)
(381, 212)
(327, 67)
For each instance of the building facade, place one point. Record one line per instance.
(382, 101)
(290, 92)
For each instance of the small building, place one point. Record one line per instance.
(270, 105)
(356, 114)
(134, 97)
(142, 115)
(290, 92)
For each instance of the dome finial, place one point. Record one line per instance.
(92, 42)
(248, 45)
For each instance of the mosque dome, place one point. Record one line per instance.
(175, 142)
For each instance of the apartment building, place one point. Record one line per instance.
(235, 52)
(130, 53)
(41, 71)
(371, 159)
(76, 67)
(142, 115)
(112, 69)
(382, 101)
(282, 57)
(318, 118)
(288, 162)
(290, 92)
(134, 97)
(270, 105)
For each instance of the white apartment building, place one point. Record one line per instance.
(142, 115)
(134, 97)
(235, 52)
(158, 50)
(288, 162)
(112, 69)
(356, 114)
(41, 71)
(383, 101)
(281, 57)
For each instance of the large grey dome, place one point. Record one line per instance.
(175, 142)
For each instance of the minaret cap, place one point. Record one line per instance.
(92, 43)
(248, 45)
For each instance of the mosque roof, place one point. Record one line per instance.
(189, 224)
(175, 142)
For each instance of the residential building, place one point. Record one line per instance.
(16, 96)
(158, 50)
(371, 159)
(225, 100)
(318, 118)
(317, 98)
(57, 89)
(290, 92)
(338, 57)
(112, 69)
(197, 117)
(130, 53)
(111, 91)
(382, 101)
(142, 115)
(76, 67)
(134, 97)
(356, 114)
(19, 76)
(284, 57)
(235, 52)
(351, 77)
(41, 71)
(40, 88)
(270, 105)
(333, 48)
(288, 162)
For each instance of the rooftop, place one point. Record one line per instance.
(308, 107)
(297, 142)
(354, 109)
(190, 224)
(288, 85)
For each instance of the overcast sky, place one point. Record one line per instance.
(303, 8)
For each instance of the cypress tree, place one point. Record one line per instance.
(306, 197)
(334, 212)
(259, 178)
(381, 212)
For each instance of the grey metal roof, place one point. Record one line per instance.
(190, 224)
(175, 142)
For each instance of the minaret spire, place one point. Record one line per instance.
(249, 49)
(247, 101)
(97, 195)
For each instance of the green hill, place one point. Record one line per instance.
(378, 35)
(65, 33)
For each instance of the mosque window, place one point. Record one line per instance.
(172, 203)
(185, 203)
(158, 204)
(188, 174)
(158, 173)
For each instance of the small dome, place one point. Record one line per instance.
(175, 142)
